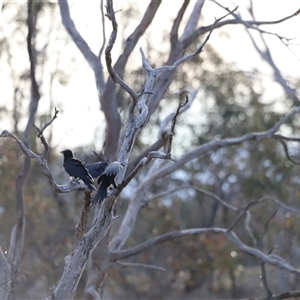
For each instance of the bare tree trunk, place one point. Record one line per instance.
(15, 251)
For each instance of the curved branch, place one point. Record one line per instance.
(203, 191)
(82, 45)
(204, 29)
(110, 13)
(138, 201)
(122, 254)
(231, 237)
(103, 31)
(154, 147)
(42, 160)
(163, 69)
(176, 23)
(193, 20)
(129, 264)
(199, 151)
(108, 101)
(286, 151)
(16, 244)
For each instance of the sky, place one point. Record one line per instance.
(78, 101)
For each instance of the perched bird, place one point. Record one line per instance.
(75, 168)
(97, 168)
(105, 180)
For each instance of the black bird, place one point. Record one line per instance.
(75, 168)
(105, 180)
(97, 168)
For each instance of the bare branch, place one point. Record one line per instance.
(260, 200)
(163, 133)
(286, 151)
(199, 151)
(267, 225)
(286, 295)
(193, 20)
(230, 235)
(154, 147)
(285, 138)
(135, 123)
(84, 48)
(41, 131)
(163, 69)
(108, 101)
(103, 31)
(122, 254)
(144, 161)
(241, 215)
(248, 228)
(32, 56)
(190, 100)
(139, 199)
(277, 202)
(129, 264)
(15, 250)
(264, 280)
(176, 23)
(156, 154)
(203, 191)
(23, 147)
(204, 29)
(110, 13)
(174, 119)
(269, 259)
(92, 291)
(266, 54)
(42, 161)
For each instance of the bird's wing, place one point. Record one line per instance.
(96, 169)
(112, 169)
(75, 168)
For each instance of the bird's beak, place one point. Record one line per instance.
(62, 152)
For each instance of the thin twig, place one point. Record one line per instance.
(110, 13)
(172, 130)
(41, 131)
(265, 281)
(163, 69)
(129, 264)
(103, 30)
(203, 191)
(262, 265)
(267, 224)
(238, 218)
(286, 295)
(286, 138)
(286, 150)
(248, 228)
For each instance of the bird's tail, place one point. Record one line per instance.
(90, 185)
(100, 195)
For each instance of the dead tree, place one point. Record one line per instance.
(143, 105)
